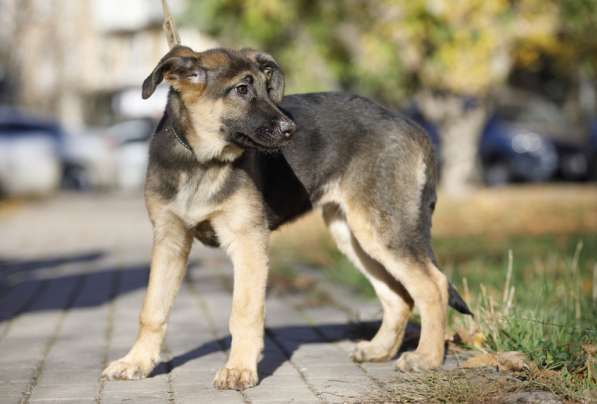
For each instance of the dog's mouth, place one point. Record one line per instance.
(246, 141)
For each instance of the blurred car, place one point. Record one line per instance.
(530, 139)
(131, 141)
(88, 161)
(30, 154)
(109, 157)
(526, 139)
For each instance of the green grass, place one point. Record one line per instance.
(552, 314)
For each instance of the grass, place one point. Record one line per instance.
(538, 301)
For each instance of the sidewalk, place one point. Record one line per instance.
(72, 277)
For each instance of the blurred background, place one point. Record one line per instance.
(506, 90)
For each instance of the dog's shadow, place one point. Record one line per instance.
(299, 335)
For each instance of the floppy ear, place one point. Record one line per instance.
(179, 67)
(268, 65)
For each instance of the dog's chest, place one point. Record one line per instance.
(200, 193)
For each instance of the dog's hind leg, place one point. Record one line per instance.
(171, 247)
(395, 301)
(427, 286)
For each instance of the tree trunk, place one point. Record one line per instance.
(459, 123)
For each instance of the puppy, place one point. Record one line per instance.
(231, 160)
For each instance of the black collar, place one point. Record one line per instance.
(180, 139)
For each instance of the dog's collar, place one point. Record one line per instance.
(180, 139)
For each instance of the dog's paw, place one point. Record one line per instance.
(417, 362)
(366, 351)
(235, 379)
(125, 369)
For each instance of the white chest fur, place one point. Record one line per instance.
(195, 200)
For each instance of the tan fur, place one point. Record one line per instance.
(171, 246)
(243, 233)
(395, 301)
(423, 282)
(361, 230)
(206, 117)
(240, 223)
(215, 60)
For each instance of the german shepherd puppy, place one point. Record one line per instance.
(228, 165)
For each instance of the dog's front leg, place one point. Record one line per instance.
(248, 250)
(171, 246)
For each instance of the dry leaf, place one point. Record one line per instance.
(512, 361)
(504, 361)
(480, 361)
(590, 349)
(474, 338)
(478, 340)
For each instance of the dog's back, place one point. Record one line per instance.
(335, 130)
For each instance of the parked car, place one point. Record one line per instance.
(30, 154)
(530, 139)
(131, 140)
(110, 157)
(526, 139)
(88, 162)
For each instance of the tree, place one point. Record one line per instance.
(447, 55)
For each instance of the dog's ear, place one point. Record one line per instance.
(268, 65)
(180, 67)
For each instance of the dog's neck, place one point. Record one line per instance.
(200, 134)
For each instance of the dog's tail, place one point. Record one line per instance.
(169, 26)
(456, 302)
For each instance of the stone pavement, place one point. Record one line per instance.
(72, 276)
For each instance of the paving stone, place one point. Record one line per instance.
(333, 372)
(289, 400)
(64, 401)
(65, 392)
(102, 323)
(191, 394)
(59, 376)
(286, 380)
(12, 392)
(136, 397)
(15, 375)
(279, 392)
(153, 384)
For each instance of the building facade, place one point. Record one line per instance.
(83, 61)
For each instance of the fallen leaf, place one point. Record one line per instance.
(512, 361)
(504, 361)
(478, 340)
(480, 361)
(473, 338)
(590, 349)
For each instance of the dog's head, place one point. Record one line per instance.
(230, 96)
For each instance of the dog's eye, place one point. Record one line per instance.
(268, 72)
(242, 89)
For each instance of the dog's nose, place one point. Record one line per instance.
(287, 127)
